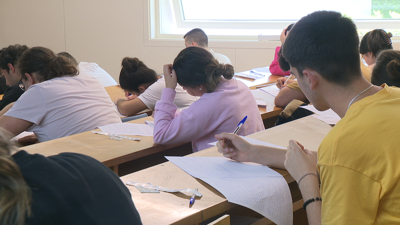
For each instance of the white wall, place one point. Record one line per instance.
(105, 31)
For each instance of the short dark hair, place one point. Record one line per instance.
(70, 57)
(11, 54)
(326, 42)
(135, 73)
(197, 35)
(46, 64)
(387, 68)
(196, 66)
(283, 64)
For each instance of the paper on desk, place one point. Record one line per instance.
(271, 90)
(254, 186)
(21, 135)
(255, 142)
(150, 123)
(328, 116)
(128, 129)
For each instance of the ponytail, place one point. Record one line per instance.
(379, 40)
(135, 73)
(195, 66)
(46, 64)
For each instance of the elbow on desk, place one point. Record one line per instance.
(282, 101)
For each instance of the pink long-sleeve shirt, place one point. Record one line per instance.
(274, 68)
(214, 113)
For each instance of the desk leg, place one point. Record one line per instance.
(115, 169)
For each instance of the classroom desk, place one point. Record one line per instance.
(167, 208)
(253, 84)
(1, 96)
(112, 153)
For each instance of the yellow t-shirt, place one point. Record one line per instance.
(364, 69)
(359, 163)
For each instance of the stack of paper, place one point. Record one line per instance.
(128, 129)
(328, 116)
(254, 186)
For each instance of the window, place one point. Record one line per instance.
(238, 19)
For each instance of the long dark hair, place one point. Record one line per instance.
(135, 73)
(387, 68)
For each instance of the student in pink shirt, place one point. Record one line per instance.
(274, 68)
(223, 102)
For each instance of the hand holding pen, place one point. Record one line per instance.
(237, 129)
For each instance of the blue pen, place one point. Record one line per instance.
(237, 129)
(192, 199)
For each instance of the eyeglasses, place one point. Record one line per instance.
(21, 85)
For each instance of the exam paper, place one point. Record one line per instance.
(128, 129)
(254, 186)
(255, 142)
(328, 116)
(21, 135)
(271, 90)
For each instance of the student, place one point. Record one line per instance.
(387, 69)
(91, 69)
(198, 38)
(372, 43)
(274, 68)
(223, 102)
(8, 60)
(57, 102)
(139, 80)
(358, 159)
(68, 188)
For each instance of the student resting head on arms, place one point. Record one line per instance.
(139, 80)
(223, 102)
(57, 102)
(68, 188)
(372, 43)
(387, 68)
(358, 159)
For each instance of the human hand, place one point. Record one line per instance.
(280, 82)
(283, 36)
(130, 96)
(28, 140)
(238, 149)
(170, 76)
(299, 161)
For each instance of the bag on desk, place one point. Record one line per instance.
(292, 112)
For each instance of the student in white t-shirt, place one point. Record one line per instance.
(139, 80)
(56, 102)
(198, 38)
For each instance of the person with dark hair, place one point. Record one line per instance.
(68, 188)
(57, 102)
(8, 60)
(274, 67)
(144, 83)
(223, 101)
(198, 38)
(91, 69)
(372, 43)
(387, 69)
(359, 177)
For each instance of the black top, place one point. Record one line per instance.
(11, 95)
(71, 188)
(3, 85)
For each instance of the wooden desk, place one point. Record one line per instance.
(112, 153)
(167, 208)
(252, 84)
(115, 91)
(1, 96)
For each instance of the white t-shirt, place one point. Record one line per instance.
(94, 70)
(153, 93)
(64, 106)
(220, 58)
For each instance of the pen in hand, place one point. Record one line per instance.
(287, 80)
(192, 199)
(237, 129)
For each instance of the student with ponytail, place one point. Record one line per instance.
(57, 102)
(372, 43)
(138, 80)
(387, 69)
(222, 104)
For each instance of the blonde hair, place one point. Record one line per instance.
(15, 193)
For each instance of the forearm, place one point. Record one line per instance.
(286, 95)
(273, 157)
(130, 108)
(309, 187)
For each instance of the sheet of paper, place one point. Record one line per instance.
(272, 90)
(128, 129)
(150, 123)
(328, 116)
(21, 135)
(254, 142)
(254, 186)
(261, 103)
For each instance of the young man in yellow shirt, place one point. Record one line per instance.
(358, 159)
